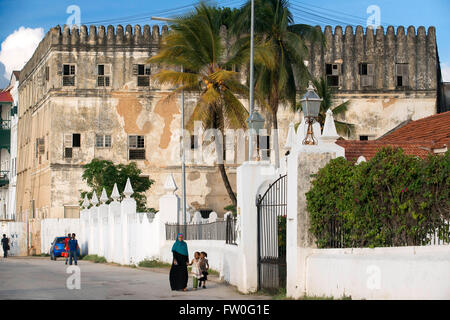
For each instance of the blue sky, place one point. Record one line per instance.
(45, 14)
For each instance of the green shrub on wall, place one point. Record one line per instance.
(391, 200)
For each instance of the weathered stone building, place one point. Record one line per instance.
(389, 77)
(89, 93)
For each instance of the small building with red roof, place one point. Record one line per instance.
(421, 137)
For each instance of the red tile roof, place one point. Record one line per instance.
(433, 130)
(418, 137)
(355, 148)
(5, 96)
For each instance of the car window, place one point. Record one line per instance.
(60, 240)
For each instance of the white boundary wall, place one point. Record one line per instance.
(52, 228)
(380, 273)
(16, 232)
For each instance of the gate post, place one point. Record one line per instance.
(249, 178)
(303, 162)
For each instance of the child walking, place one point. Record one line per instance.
(204, 267)
(196, 273)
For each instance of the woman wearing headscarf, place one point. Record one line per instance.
(178, 272)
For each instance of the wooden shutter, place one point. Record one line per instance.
(135, 69)
(68, 140)
(107, 69)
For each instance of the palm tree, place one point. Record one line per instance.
(275, 24)
(194, 43)
(326, 93)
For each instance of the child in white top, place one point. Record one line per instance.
(196, 272)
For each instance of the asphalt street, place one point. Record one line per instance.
(41, 278)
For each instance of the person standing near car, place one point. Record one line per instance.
(66, 246)
(73, 247)
(5, 245)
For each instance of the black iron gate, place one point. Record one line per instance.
(272, 211)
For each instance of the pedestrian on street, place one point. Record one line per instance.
(66, 246)
(178, 276)
(73, 247)
(196, 273)
(204, 267)
(5, 245)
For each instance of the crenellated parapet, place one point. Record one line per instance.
(96, 37)
(383, 48)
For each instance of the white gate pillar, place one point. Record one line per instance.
(251, 178)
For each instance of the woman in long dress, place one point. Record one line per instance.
(178, 272)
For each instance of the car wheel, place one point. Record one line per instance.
(52, 257)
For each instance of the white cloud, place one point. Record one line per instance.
(445, 70)
(18, 48)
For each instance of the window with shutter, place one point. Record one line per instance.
(332, 72)
(103, 75)
(68, 74)
(142, 71)
(99, 141)
(402, 74)
(68, 140)
(366, 71)
(136, 148)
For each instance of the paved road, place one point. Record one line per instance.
(39, 278)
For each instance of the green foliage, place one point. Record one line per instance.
(153, 264)
(231, 208)
(94, 258)
(393, 199)
(100, 174)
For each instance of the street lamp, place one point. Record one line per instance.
(255, 123)
(311, 107)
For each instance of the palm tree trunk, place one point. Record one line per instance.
(227, 184)
(220, 161)
(276, 148)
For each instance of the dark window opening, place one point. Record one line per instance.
(194, 142)
(333, 81)
(76, 140)
(363, 138)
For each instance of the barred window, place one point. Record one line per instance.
(68, 74)
(142, 71)
(103, 75)
(136, 148)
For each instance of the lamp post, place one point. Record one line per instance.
(311, 107)
(255, 124)
(183, 160)
(252, 27)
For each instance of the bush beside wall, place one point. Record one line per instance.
(391, 200)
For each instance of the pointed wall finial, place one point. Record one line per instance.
(94, 199)
(103, 197)
(128, 189)
(170, 186)
(290, 137)
(85, 203)
(115, 193)
(329, 128)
